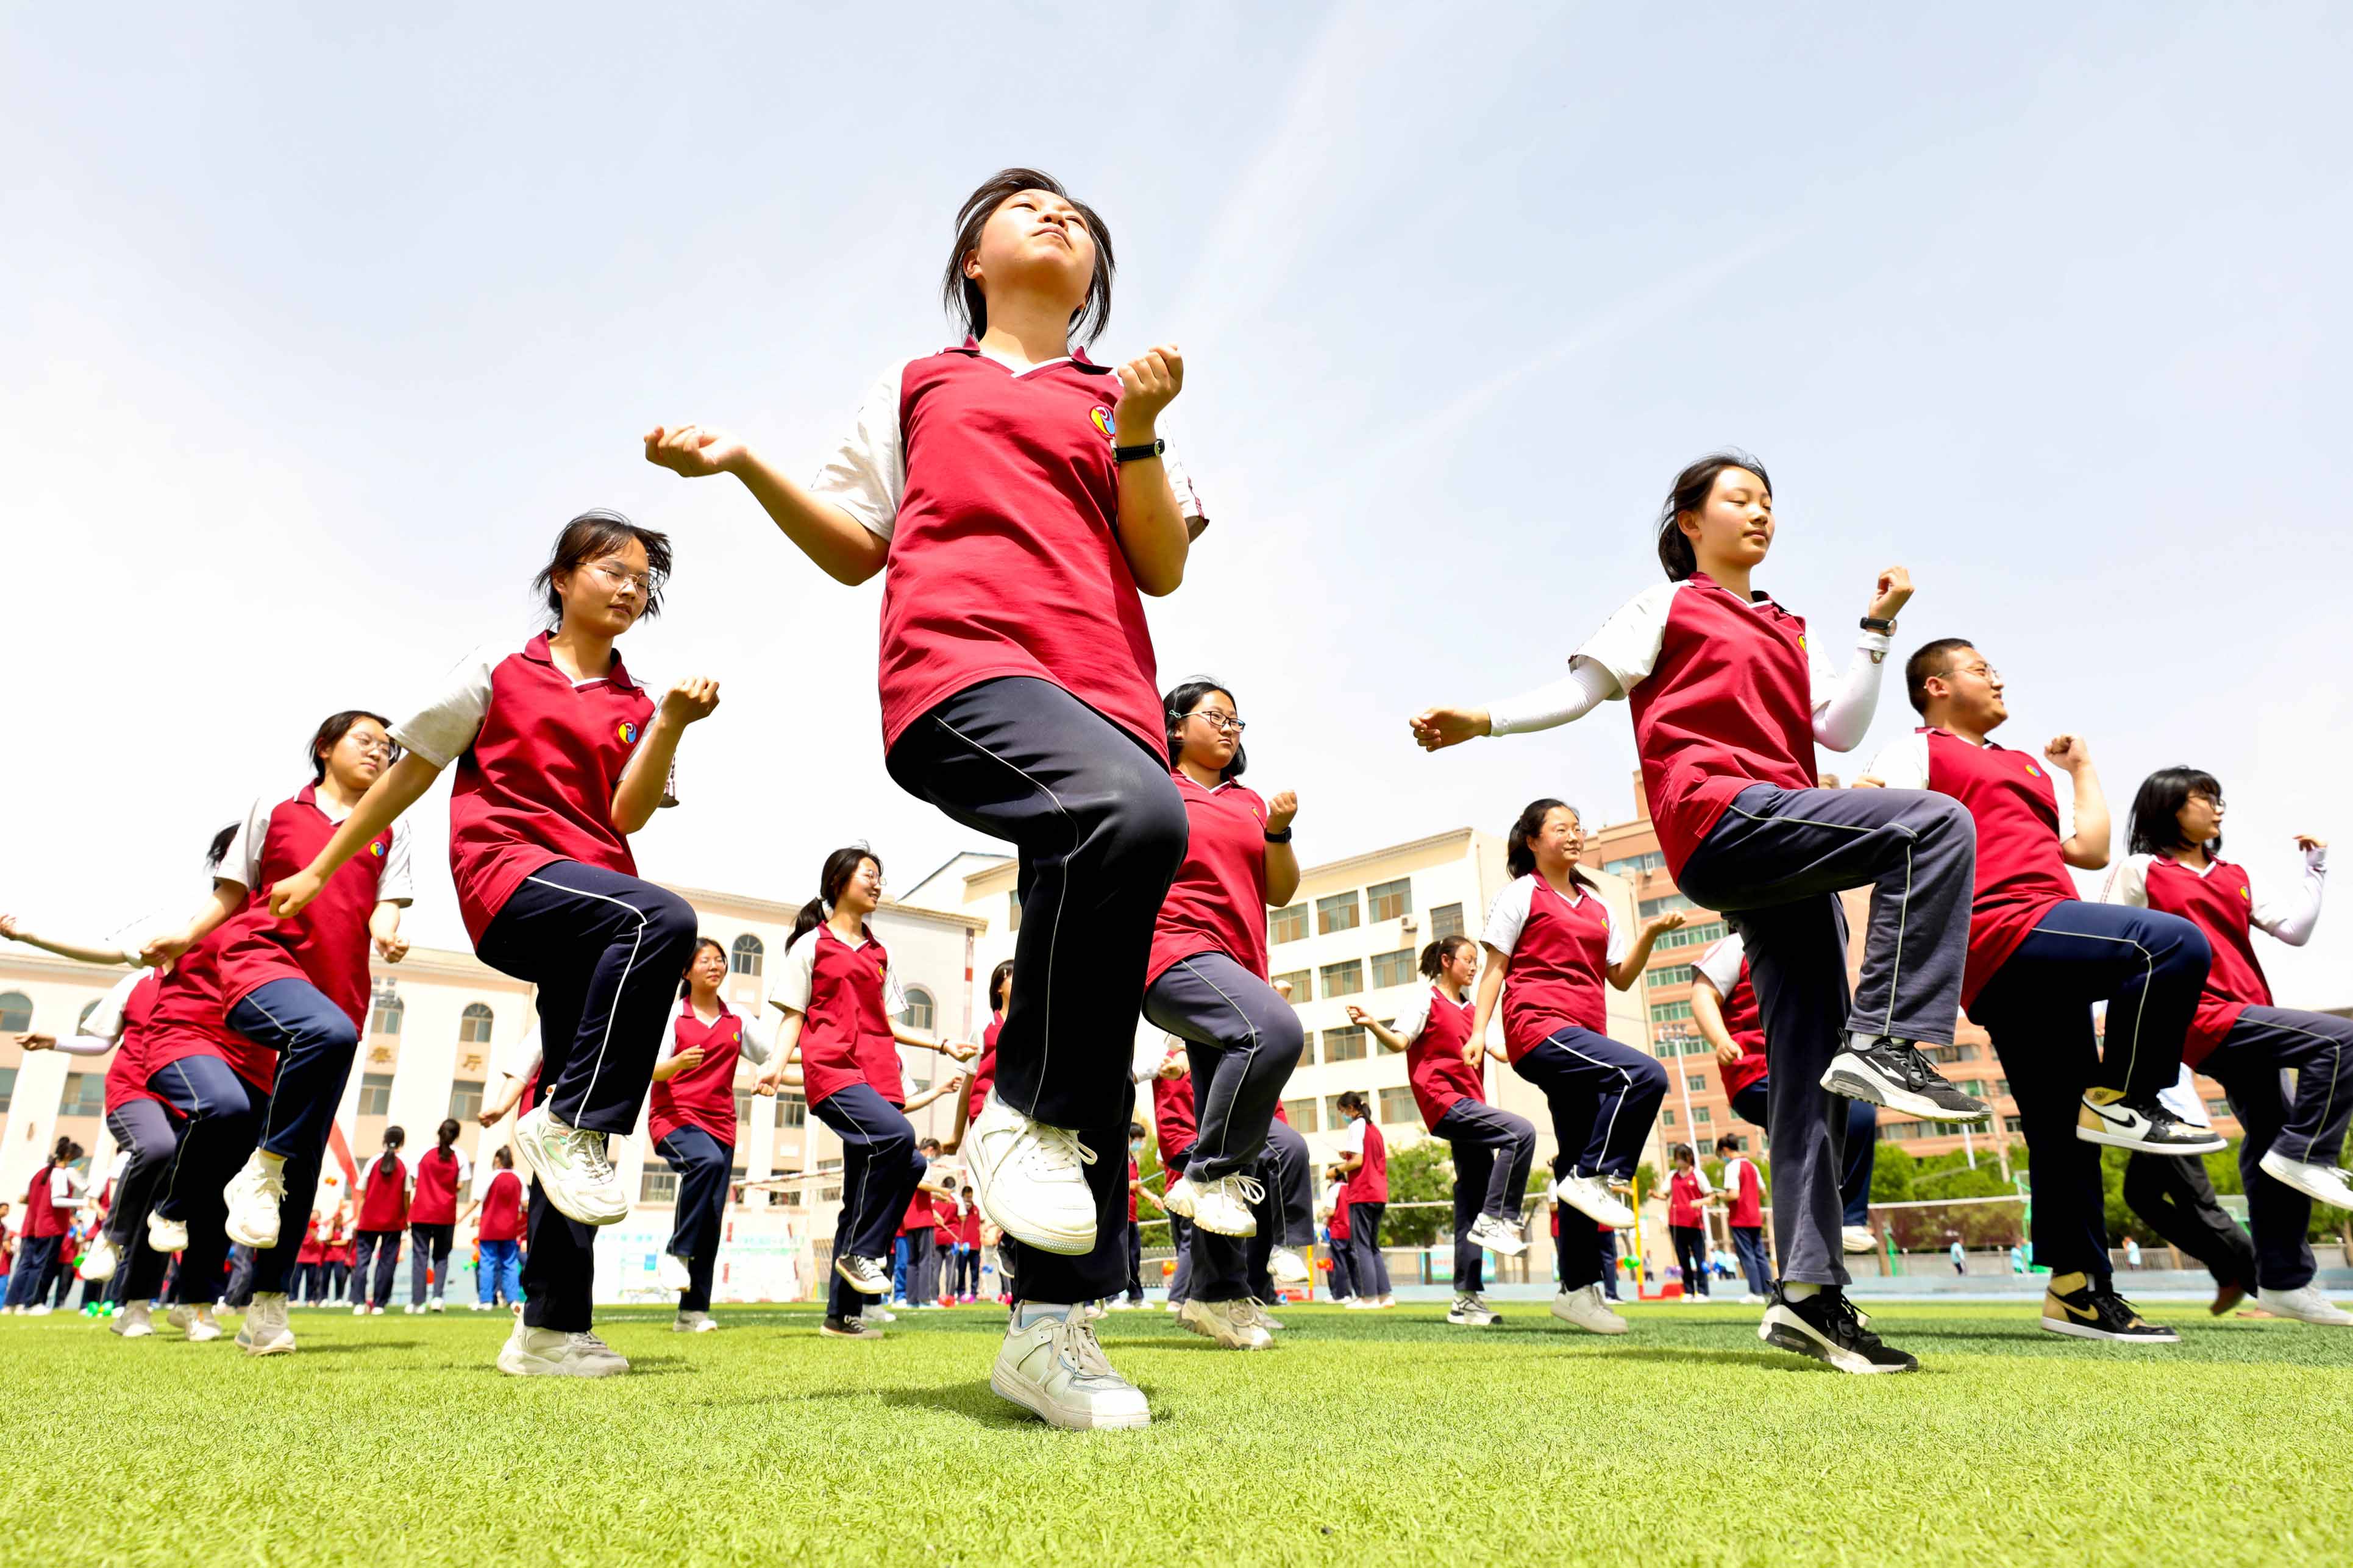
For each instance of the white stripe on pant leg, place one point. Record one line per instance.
(2336, 1048)
(1250, 1054)
(619, 986)
(197, 1112)
(1046, 1041)
(270, 1107)
(1626, 1077)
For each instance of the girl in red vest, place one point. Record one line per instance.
(693, 1125)
(2289, 1155)
(1018, 495)
(984, 1067)
(561, 756)
(1365, 1174)
(1729, 700)
(498, 1271)
(840, 1004)
(297, 987)
(442, 1173)
(385, 1184)
(335, 1258)
(50, 1202)
(1687, 1197)
(302, 1287)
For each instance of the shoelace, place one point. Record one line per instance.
(1050, 1151)
(1248, 1186)
(587, 1151)
(1075, 1342)
(588, 1341)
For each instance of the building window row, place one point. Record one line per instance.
(1666, 903)
(1345, 911)
(1635, 864)
(1671, 974)
(1698, 935)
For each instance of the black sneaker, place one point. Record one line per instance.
(848, 1329)
(1894, 1074)
(1826, 1327)
(2090, 1312)
(2141, 1124)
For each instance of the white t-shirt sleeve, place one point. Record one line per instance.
(1721, 965)
(1628, 644)
(1902, 764)
(796, 978)
(242, 862)
(398, 884)
(102, 1030)
(1352, 1141)
(2291, 918)
(1844, 702)
(759, 1042)
(668, 1047)
(1508, 915)
(866, 473)
(1189, 504)
(465, 1166)
(443, 730)
(1414, 1016)
(2128, 882)
(894, 999)
(1621, 941)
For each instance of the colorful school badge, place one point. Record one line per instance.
(1104, 421)
(627, 731)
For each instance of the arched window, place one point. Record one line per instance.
(745, 958)
(15, 1012)
(920, 1009)
(474, 1024)
(383, 1018)
(86, 1009)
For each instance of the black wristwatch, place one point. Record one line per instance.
(1873, 624)
(1137, 454)
(1282, 837)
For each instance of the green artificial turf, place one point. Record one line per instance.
(1363, 1438)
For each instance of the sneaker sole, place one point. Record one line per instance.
(537, 1368)
(1782, 1336)
(853, 1282)
(1860, 1086)
(1236, 1235)
(824, 1333)
(1054, 1415)
(285, 1349)
(1062, 1243)
(2326, 1196)
(2089, 1331)
(1617, 1217)
(251, 1238)
(2127, 1141)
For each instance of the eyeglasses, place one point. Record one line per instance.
(1982, 671)
(648, 584)
(1223, 723)
(366, 748)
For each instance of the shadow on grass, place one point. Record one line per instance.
(306, 1348)
(974, 1402)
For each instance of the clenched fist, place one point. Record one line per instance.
(1148, 384)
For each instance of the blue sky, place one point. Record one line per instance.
(315, 333)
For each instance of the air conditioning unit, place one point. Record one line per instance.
(1408, 923)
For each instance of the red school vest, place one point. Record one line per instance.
(919, 1215)
(437, 1188)
(1728, 703)
(2020, 872)
(43, 1218)
(968, 1229)
(983, 1071)
(1370, 1182)
(1134, 1173)
(1338, 1226)
(704, 1095)
(187, 1019)
(1747, 1210)
(1556, 969)
(537, 784)
(327, 943)
(1173, 1121)
(126, 1074)
(1434, 1063)
(1004, 558)
(846, 1036)
(2221, 904)
(1744, 1022)
(501, 1218)
(384, 1205)
(1682, 1199)
(312, 1250)
(1218, 902)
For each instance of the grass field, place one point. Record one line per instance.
(1362, 1438)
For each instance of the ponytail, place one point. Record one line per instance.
(219, 849)
(447, 1133)
(1434, 956)
(839, 867)
(65, 1151)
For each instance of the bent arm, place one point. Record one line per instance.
(1843, 715)
(1491, 986)
(843, 548)
(1707, 1014)
(402, 785)
(2087, 848)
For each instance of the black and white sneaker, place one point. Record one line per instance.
(848, 1329)
(871, 1276)
(2089, 1312)
(1826, 1327)
(1894, 1074)
(2144, 1125)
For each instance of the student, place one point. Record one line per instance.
(1744, 1201)
(498, 1273)
(2288, 1158)
(2040, 958)
(1019, 496)
(1551, 944)
(442, 1172)
(971, 1239)
(561, 756)
(947, 1217)
(1205, 983)
(840, 1004)
(1175, 1127)
(1134, 1297)
(984, 1067)
(302, 1285)
(297, 987)
(1729, 701)
(50, 1198)
(2175, 1197)
(693, 1125)
(384, 1187)
(1493, 1150)
(912, 1283)
(1365, 1167)
(335, 1265)
(1724, 1008)
(1336, 1243)
(1687, 1194)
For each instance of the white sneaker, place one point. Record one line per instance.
(1499, 1236)
(1754, 1300)
(1031, 1179)
(1360, 1304)
(1587, 1309)
(1178, 1198)
(1226, 1322)
(1468, 1311)
(2148, 1127)
(693, 1323)
(132, 1322)
(1222, 1205)
(485, 1306)
(879, 1314)
(551, 1352)
(1171, 1306)
(1262, 1318)
(253, 1195)
(1857, 1239)
(669, 1273)
(165, 1235)
(413, 1309)
(38, 1310)
(360, 1310)
(265, 1331)
(1056, 1370)
(1122, 1304)
(868, 1276)
(574, 1167)
(2321, 1183)
(99, 1262)
(1287, 1266)
(202, 1326)
(2306, 1304)
(1386, 1301)
(1592, 1196)
(437, 1305)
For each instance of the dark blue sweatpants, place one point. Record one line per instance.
(879, 1172)
(316, 1042)
(2311, 1128)
(220, 1118)
(703, 1163)
(1494, 1151)
(144, 1128)
(1604, 1096)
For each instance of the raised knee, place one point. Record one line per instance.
(1285, 1038)
(670, 920)
(1149, 815)
(1649, 1077)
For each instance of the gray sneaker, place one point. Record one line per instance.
(266, 1332)
(1057, 1371)
(1233, 1325)
(574, 1168)
(552, 1352)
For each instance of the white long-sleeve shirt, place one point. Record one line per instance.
(102, 1030)
(2291, 918)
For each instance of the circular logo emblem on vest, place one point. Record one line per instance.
(375, 848)
(1104, 421)
(2033, 771)
(628, 732)
(2244, 894)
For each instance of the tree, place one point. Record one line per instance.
(1419, 1172)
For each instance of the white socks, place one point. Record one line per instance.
(1799, 1291)
(1027, 1315)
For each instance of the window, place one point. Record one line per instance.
(1672, 974)
(1337, 913)
(17, 1011)
(792, 1110)
(2014, 1123)
(747, 956)
(1952, 1053)
(1302, 983)
(1345, 1045)
(1702, 1115)
(1692, 936)
(1393, 968)
(1695, 1082)
(383, 1018)
(1306, 1048)
(1287, 924)
(1666, 903)
(465, 1099)
(1013, 910)
(85, 1095)
(7, 1088)
(1667, 1012)
(474, 1026)
(1333, 1114)
(2001, 1085)
(1635, 864)
(657, 1185)
(1681, 1045)
(1397, 1105)
(742, 1109)
(1390, 899)
(2213, 1107)
(1344, 979)
(920, 1009)
(1446, 920)
(375, 1094)
(1666, 1119)
(1303, 1115)
(1896, 1132)
(86, 1009)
